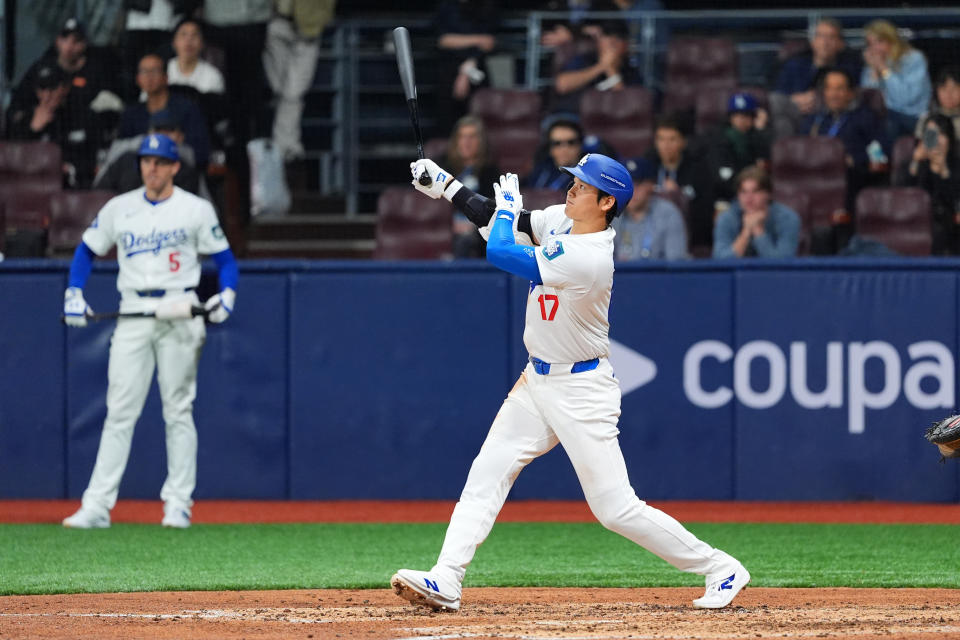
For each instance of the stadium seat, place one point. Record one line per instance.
(3, 227)
(815, 166)
(411, 226)
(534, 199)
(71, 212)
(799, 201)
(513, 148)
(512, 107)
(623, 119)
(898, 217)
(435, 148)
(900, 159)
(695, 64)
(711, 105)
(29, 173)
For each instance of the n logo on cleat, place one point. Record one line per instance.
(728, 583)
(433, 585)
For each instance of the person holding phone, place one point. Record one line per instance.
(935, 169)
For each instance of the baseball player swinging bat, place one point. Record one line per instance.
(401, 40)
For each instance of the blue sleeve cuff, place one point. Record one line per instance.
(504, 253)
(81, 266)
(228, 271)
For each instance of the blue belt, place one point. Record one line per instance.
(543, 368)
(159, 293)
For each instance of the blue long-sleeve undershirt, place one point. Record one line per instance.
(81, 266)
(227, 266)
(504, 253)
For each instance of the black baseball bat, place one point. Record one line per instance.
(401, 41)
(113, 315)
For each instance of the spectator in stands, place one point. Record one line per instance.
(239, 29)
(947, 99)
(468, 158)
(651, 228)
(87, 112)
(465, 36)
(149, 25)
(121, 169)
(795, 94)
(152, 80)
(854, 124)
(754, 225)
(290, 61)
(936, 168)
(900, 72)
(606, 67)
(742, 143)
(564, 146)
(683, 174)
(187, 68)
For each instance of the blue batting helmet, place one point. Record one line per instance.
(607, 175)
(157, 144)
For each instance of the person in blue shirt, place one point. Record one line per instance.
(795, 92)
(652, 227)
(900, 72)
(755, 225)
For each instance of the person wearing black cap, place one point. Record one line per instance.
(652, 227)
(89, 108)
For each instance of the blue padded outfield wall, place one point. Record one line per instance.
(751, 380)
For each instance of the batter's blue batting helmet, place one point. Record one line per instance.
(157, 144)
(607, 175)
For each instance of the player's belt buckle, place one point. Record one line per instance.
(545, 368)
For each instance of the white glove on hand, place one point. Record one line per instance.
(75, 308)
(440, 177)
(512, 184)
(220, 306)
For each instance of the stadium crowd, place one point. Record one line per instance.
(772, 171)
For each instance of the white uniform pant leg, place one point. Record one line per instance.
(178, 354)
(290, 63)
(517, 436)
(129, 373)
(583, 409)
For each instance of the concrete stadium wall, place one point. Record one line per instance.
(752, 380)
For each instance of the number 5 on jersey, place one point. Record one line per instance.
(550, 300)
(174, 263)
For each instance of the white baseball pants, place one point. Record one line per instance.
(579, 411)
(137, 348)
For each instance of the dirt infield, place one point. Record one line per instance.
(529, 614)
(554, 614)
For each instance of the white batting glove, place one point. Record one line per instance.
(75, 308)
(507, 194)
(440, 179)
(220, 306)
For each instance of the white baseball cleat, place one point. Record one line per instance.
(87, 519)
(426, 589)
(723, 587)
(175, 517)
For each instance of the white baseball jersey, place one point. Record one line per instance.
(567, 314)
(158, 245)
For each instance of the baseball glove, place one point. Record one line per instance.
(946, 435)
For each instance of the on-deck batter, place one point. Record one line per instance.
(159, 231)
(567, 394)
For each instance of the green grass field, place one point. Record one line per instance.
(42, 559)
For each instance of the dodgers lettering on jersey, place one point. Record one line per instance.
(158, 245)
(567, 314)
